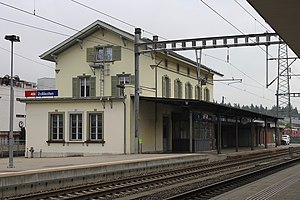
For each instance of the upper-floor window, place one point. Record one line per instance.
(178, 67)
(84, 86)
(188, 91)
(177, 88)
(118, 82)
(166, 86)
(188, 71)
(166, 62)
(75, 126)
(103, 54)
(198, 92)
(56, 126)
(206, 94)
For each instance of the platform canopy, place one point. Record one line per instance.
(284, 17)
(215, 108)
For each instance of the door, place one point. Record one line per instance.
(166, 133)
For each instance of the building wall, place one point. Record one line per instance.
(38, 129)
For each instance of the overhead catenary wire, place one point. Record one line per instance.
(114, 18)
(251, 15)
(231, 24)
(57, 23)
(19, 55)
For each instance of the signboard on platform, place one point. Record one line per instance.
(41, 93)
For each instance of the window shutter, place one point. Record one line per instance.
(75, 87)
(163, 86)
(91, 54)
(114, 89)
(131, 79)
(175, 89)
(93, 87)
(116, 53)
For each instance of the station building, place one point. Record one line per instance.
(94, 110)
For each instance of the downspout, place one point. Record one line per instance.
(124, 126)
(155, 120)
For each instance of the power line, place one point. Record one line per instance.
(38, 16)
(112, 17)
(57, 23)
(230, 24)
(244, 90)
(28, 59)
(60, 24)
(34, 27)
(251, 15)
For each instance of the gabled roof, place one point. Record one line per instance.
(96, 26)
(79, 36)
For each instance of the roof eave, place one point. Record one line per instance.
(79, 36)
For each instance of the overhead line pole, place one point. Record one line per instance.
(137, 35)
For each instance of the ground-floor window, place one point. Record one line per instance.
(96, 126)
(56, 126)
(76, 126)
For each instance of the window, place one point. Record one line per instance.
(198, 92)
(75, 126)
(166, 62)
(103, 54)
(120, 80)
(56, 126)
(166, 87)
(177, 67)
(95, 126)
(84, 86)
(206, 94)
(177, 89)
(107, 51)
(188, 91)
(188, 71)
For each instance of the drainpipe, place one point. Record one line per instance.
(124, 126)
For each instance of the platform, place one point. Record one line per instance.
(36, 174)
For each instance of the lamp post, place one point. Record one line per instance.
(12, 39)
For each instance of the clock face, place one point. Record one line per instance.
(21, 124)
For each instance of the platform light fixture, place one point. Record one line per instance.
(12, 39)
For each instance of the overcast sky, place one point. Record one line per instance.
(169, 19)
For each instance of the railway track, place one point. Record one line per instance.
(143, 184)
(220, 187)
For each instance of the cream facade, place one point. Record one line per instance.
(93, 113)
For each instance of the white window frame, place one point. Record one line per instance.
(85, 81)
(58, 117)
(98, 128)
(77, 133)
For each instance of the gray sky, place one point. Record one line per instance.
(169, 19)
